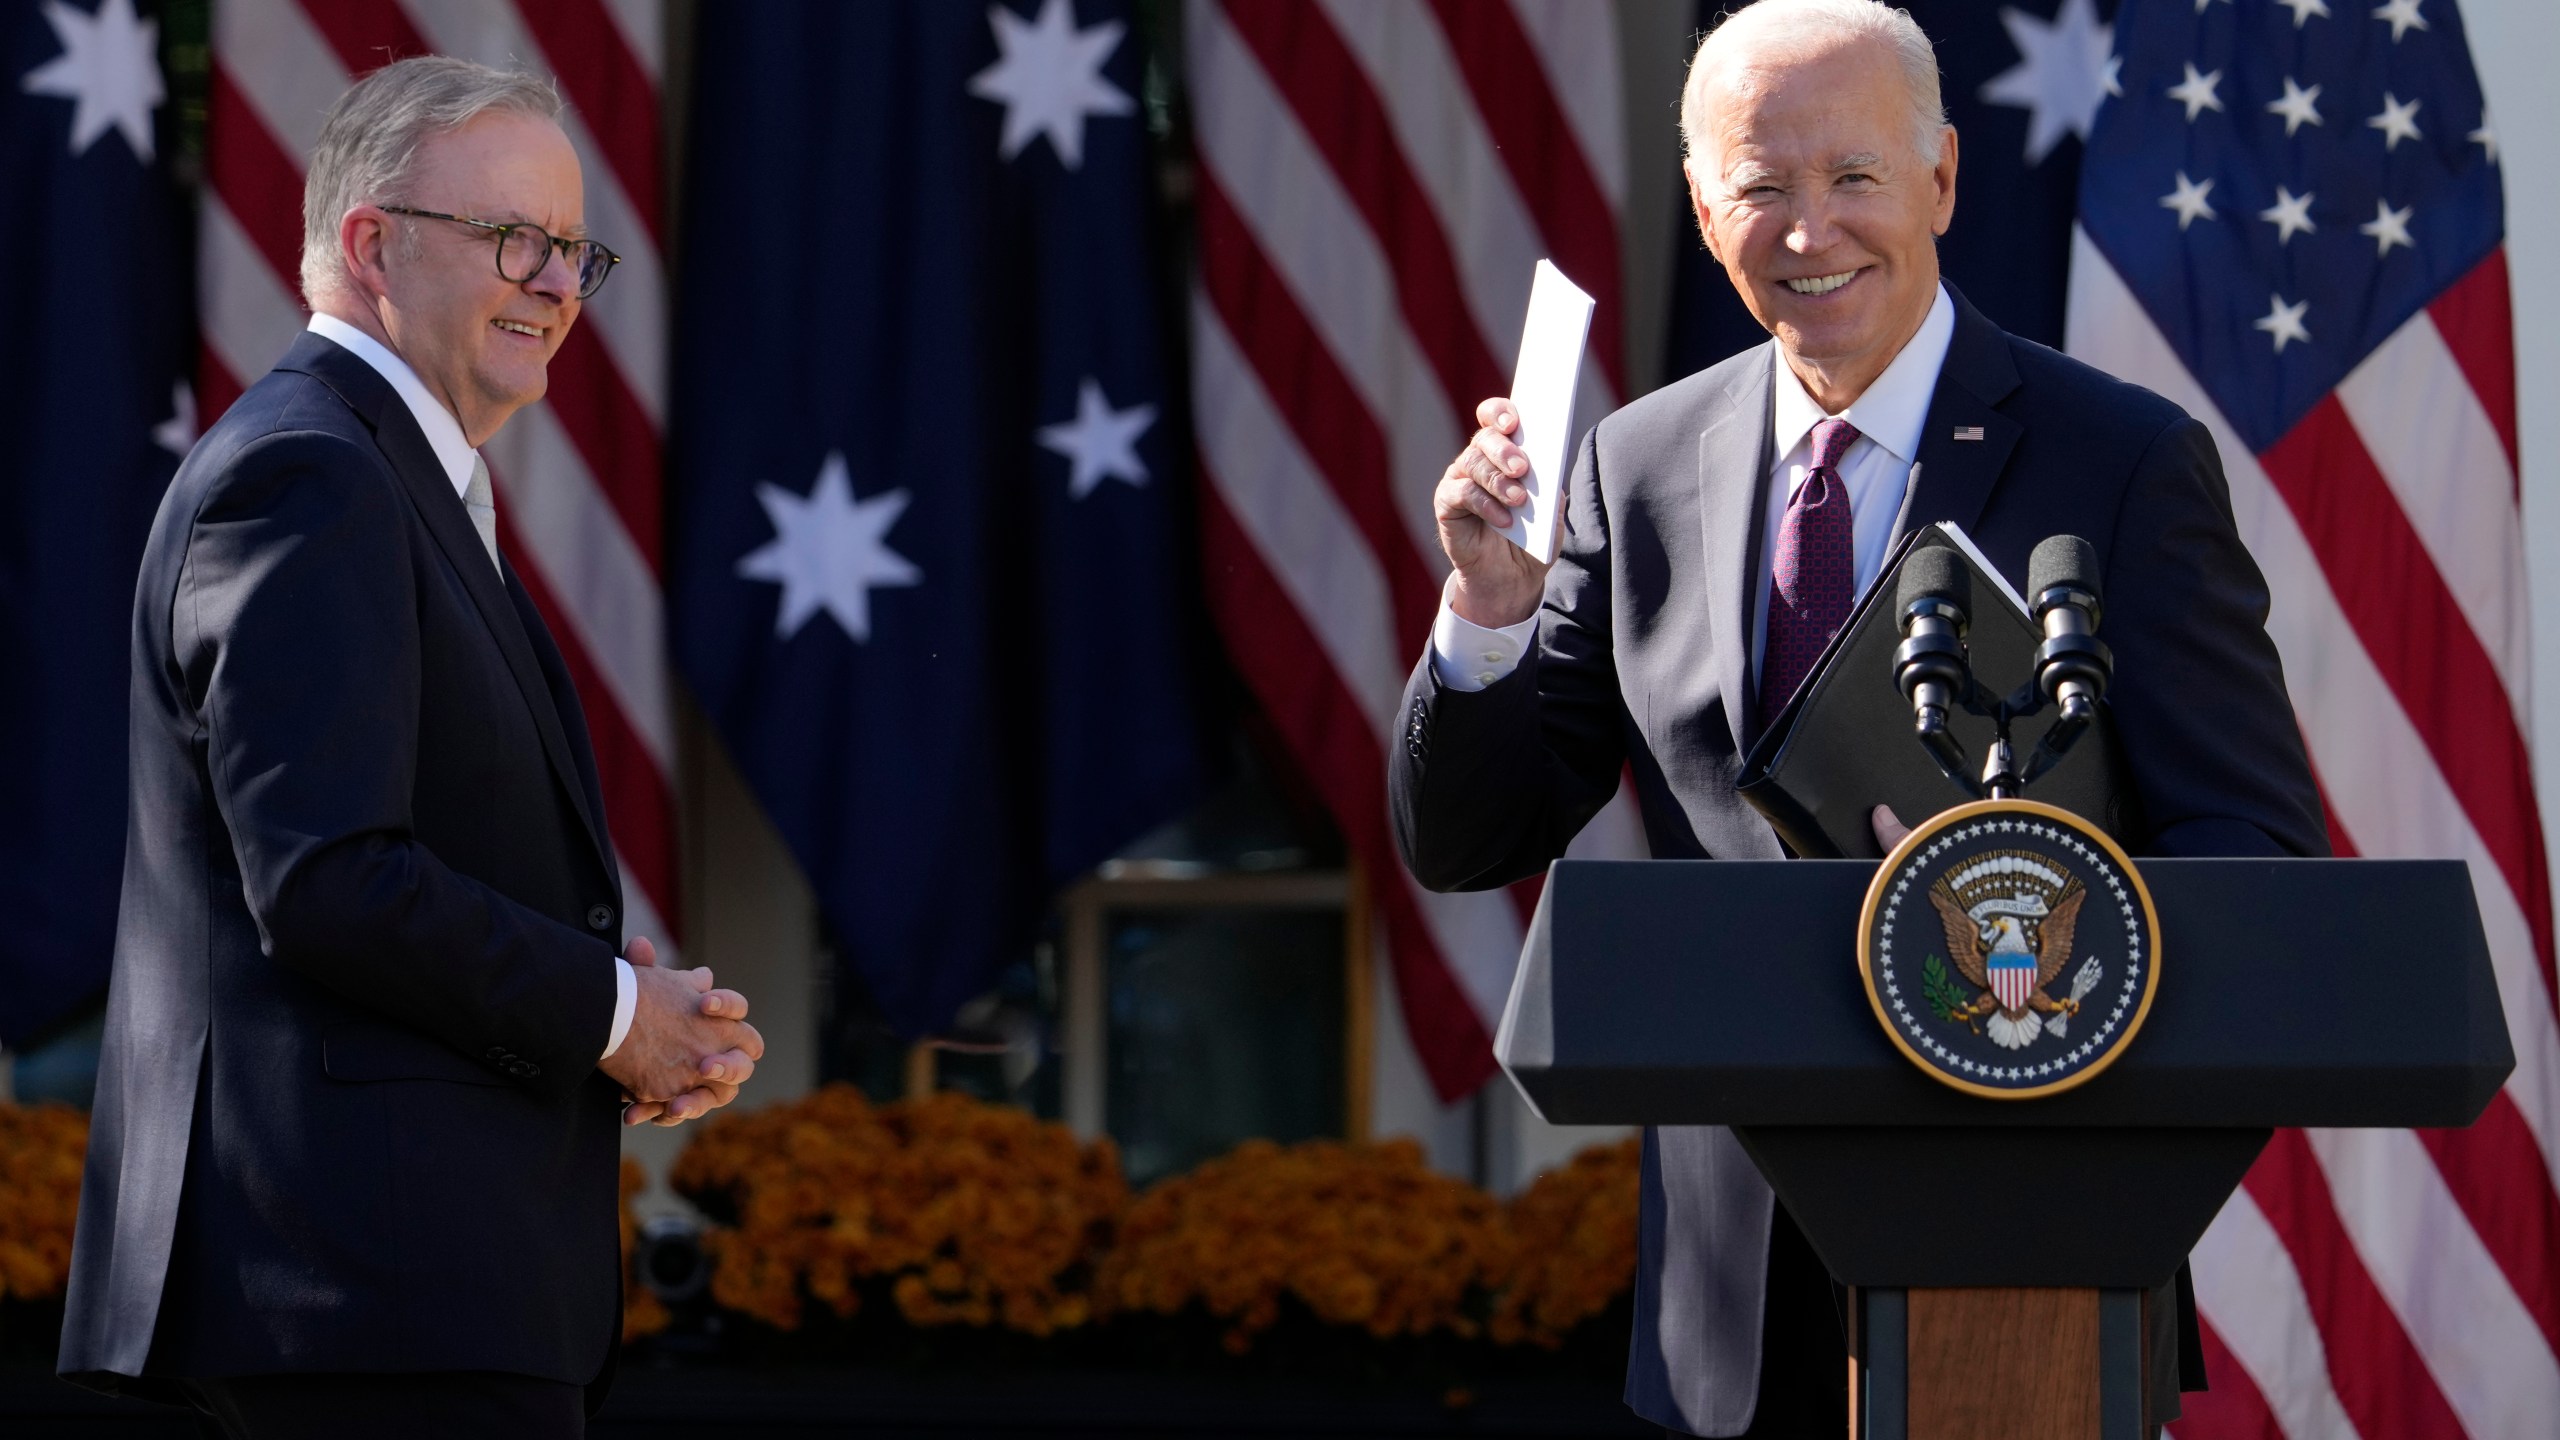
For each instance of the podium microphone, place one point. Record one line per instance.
(2072, 666)
(1934, 598)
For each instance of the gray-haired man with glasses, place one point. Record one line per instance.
(524, 250)
(374, 1026)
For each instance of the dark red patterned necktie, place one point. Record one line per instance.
(1814, 576)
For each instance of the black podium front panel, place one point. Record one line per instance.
(2112, 1207)
(2292, 992)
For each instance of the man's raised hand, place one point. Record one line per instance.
(1492, 582)
(689, 1047)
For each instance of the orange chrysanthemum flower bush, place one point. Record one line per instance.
(1574, 1255)
(967, 1213)
(41, 1147)
(947, 1211)
(1362, 1235)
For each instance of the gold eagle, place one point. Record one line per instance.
(1970, 945)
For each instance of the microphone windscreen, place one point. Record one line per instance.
(1935, 573)
(2062, 560)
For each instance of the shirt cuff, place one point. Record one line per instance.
(1467, 656)
(626, 998)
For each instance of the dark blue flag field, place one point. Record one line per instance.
(2409, 209)
(93, 275)
(924, 551)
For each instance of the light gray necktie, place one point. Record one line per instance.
(482, 502)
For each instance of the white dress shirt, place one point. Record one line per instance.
(453, 452)
(444, 433)
(1877, 469)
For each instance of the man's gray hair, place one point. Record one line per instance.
(1785, 25)
(369, 143)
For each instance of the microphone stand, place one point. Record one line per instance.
(2001, 778)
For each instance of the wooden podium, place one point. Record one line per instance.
(1728, 993)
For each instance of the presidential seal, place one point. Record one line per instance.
(2010, 948)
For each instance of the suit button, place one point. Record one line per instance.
(600, 918)
(524, 1069)
(497, 1053)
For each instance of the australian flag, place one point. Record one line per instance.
(925, 556)
(95, 413)
(2014, 78)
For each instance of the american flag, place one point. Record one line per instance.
(2292, 225)
(1377, 180)
(577, 475)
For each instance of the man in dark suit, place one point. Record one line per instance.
(369, 1042)
(1718, 533)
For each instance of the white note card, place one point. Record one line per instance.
(1542, 386)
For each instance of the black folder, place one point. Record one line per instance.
(1844, 743)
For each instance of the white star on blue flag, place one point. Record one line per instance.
(1100, 443)
(1050, 79)
(109, 69)
(829, 551)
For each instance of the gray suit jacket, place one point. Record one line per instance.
(1643, 666)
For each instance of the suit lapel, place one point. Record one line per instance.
(1955, 477)
(563, 690)
(431, 493)
(1733, 473)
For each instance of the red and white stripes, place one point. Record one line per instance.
(579, 475)
(2394, 1283)
(1377, 180)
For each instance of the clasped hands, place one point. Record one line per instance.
(689, 1047)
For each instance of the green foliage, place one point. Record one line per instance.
(1941, 990)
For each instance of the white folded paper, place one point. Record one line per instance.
(1542, 386)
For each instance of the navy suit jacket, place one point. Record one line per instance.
(1643, 666)
(348, 1117)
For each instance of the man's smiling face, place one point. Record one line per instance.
(1809, 193)
(481, 343)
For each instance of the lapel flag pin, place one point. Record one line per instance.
(1968, 432)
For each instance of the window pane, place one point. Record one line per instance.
(1225, 1025)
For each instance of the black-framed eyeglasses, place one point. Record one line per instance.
(524, 248)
